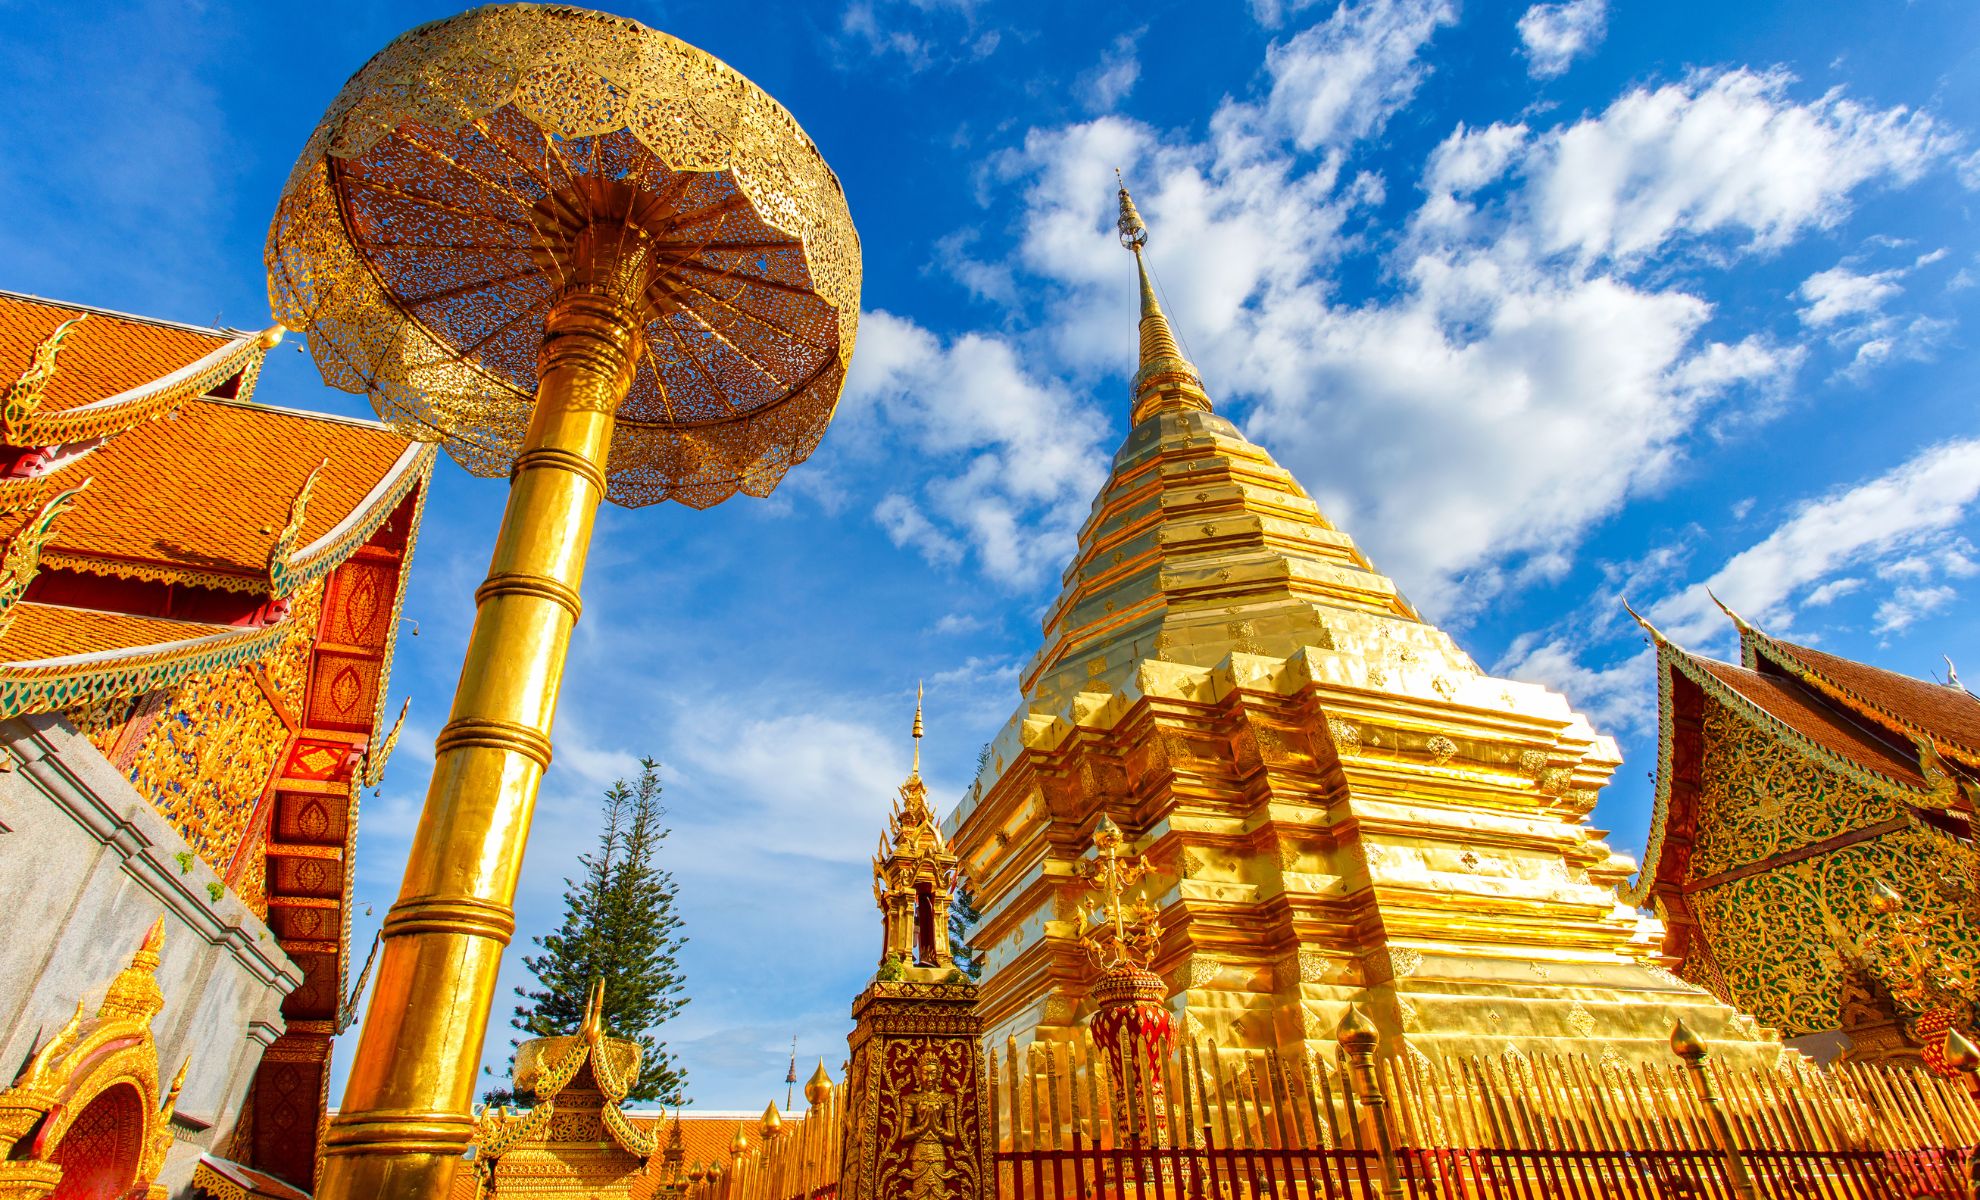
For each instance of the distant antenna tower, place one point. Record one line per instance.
(790, 1076)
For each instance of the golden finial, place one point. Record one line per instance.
(1686, 1044)
(1134, 233)
(772, 1122)
(593, 1023)
(1166, 379)
(818, 1087)
(917, 728)
(739, 1145)
(1355, 1031)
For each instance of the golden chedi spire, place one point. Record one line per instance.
(1164, 378)
(915, 771)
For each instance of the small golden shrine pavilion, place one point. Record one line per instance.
(199, 599)
(1339, 806)
(1812, 846)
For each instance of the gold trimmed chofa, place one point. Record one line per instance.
(25, 422)
(96, 1080)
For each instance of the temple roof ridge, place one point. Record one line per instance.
(219, 333)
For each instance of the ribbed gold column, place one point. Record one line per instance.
(405, 1118)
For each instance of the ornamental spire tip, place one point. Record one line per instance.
(1165, 378)
(916, 772)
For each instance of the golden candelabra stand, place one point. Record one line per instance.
(587, 256)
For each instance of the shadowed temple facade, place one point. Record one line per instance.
(199, 598)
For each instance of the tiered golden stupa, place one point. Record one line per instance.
(1341, 807)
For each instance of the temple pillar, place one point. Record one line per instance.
(917, 1123)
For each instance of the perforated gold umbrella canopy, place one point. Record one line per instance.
(416, 239)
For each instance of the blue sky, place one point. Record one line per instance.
(1545, 305)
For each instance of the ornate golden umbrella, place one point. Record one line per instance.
(585, 254)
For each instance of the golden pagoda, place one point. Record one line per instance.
(1339, 806)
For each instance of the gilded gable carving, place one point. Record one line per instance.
(206, 759)
(288, 666)
(1770, 931)
(1763, 796)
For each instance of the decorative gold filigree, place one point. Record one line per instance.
(1118, 932)
(205, 760)
(23, 399)
(91, 1062)
(20, 554)
(483, 124)
(375, 760)
(279, 567)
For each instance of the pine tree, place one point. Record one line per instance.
(619, 926)
(962, 918)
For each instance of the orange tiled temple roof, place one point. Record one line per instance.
(1907, 706)
(1805, 713)
(189, 498)
(152, 506)
(42, 632)
(105, 355)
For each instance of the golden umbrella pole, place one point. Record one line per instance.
(405, 1121)
(581, 253)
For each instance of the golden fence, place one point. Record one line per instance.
(800, 1162)
(1204, 1122)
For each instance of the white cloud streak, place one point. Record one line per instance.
(1906, 518)
(1554, 35)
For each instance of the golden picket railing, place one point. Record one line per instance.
(1208, 1122)
(799, 1162)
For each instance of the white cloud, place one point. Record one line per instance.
(1110, 81)
(1848, 307)
(960, 623)
(1721, 152)
(1009, 461)
(1554, 35)
(1839, 292)
(1908, 513)
(1471, 158)
(1340, 80)
(1832, 591)
(906, 526)
(1907, 604)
